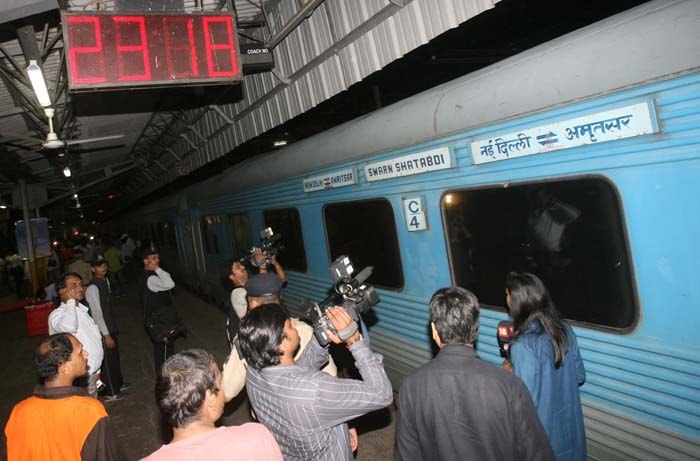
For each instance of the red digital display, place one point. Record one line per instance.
(116, 50)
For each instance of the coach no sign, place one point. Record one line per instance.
(414, 211)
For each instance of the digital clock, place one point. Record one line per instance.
(112, 51)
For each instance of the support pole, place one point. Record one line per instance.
(28, 235)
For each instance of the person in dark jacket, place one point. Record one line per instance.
(61, 421)
(98, 295)
(459, 407)
(157, 302)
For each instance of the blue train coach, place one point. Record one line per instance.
(578, 160)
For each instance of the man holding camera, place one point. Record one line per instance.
(264, 289)
(304, 408)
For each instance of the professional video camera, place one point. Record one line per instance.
(350, 292)
(270, 245)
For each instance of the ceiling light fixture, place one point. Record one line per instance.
(280, 143)
(75, 195)
(38, 83)
(66, 172)
(2, 207)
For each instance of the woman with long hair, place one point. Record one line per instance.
(545, 355)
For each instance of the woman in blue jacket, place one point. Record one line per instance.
(544, 354)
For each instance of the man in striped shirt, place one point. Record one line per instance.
(305, 409)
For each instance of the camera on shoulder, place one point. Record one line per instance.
(350, 292)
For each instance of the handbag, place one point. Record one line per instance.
(163, 325)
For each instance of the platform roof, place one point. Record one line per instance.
(335, 60)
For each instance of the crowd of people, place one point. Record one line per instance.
(72, 255)
(456, 406)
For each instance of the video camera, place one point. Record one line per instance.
(270, 245)
(350, 292)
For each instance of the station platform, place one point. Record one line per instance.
(137, 418)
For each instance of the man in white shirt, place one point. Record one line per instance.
(74, 318)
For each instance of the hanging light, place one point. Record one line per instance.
(36, 77)
(66, 172)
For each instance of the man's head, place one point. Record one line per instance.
(266, 335)
(238, 274)
(454, 316)
(60, 359)
(99, 266)
(151, 258)
(263, 289)
(70, 286)
(188, 389)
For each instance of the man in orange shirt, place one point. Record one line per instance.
(61, 421)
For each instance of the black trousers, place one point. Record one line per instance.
(161, 352)
(112, 369)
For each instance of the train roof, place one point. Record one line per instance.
(647, 43)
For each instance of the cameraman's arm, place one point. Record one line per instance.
(350, 398)
(279, 270)
(233, 375)
(311, 355)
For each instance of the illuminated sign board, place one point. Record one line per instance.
(111, 51)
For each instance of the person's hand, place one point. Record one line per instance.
(274, 262)
(354, 439)
(507, 365)
(340, 319)
(109, 342)
(260, 257)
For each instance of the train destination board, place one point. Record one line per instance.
(112, 51)
(406, 165)
(339, 178)
(624, 122)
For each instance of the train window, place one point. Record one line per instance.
(160, 228)
(170, 240)
(153, 233)
(570, 233)
(211, 241)
(240, 233)
(366, 232)
(287, 223)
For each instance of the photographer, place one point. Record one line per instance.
(305, 409)
(263, 289)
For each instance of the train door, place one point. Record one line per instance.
(196, 236)
(184, 244)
